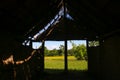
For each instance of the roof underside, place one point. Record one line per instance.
(24, 18)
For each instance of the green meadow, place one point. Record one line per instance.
(57, 62)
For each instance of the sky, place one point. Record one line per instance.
(55, 44)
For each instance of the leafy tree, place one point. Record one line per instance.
(61, 50)
(93, 43)
(53, 52)
(46, 51)
(73, 48)
(70, 52)
(79, 51)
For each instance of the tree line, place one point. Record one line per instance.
(79, 51)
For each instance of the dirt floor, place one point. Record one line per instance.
(61, 75)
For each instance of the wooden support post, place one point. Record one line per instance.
(89, 61)
(65, 52)
(87, 46)
(65, 57)
(42, 56)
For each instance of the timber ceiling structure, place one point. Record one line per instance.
(91, 18)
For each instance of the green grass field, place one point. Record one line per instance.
(57, 62)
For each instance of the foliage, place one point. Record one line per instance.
(79, 51)
(93, 43)
(47, 53)
(70, 52)
(53, 52)
(61, 50)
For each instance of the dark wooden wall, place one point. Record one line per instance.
(104, 61)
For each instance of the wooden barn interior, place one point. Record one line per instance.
(27, 21)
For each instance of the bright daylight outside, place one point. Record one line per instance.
(54, 54)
